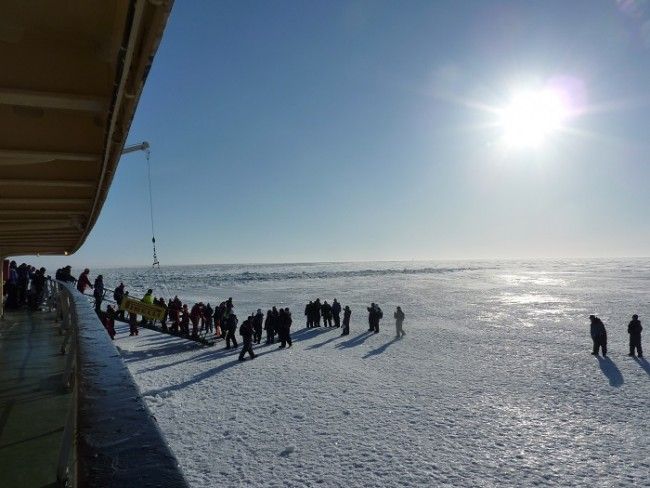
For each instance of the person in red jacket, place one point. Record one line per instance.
(84, 282)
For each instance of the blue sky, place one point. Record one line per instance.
(326, 130)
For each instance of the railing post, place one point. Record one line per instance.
(63, 469)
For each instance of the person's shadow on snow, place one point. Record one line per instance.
(381, 349)
(355, 341)
(611, 371)
(644, 364)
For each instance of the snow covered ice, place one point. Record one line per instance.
(493, 384)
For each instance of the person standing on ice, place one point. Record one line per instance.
(346, 320)
(268, 326)
(246, 332)
(336, 313)
(374, 316)
(399, 320)
(634, 329)
(598, 335)
(285, 327)
(231, 329)
(258, 326)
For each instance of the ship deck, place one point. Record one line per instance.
(33, 402)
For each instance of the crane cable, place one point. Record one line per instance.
(153, 232)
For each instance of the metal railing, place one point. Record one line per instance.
(107, 420)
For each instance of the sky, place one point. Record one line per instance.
(297, 131)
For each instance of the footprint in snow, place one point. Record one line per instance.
(288, 450)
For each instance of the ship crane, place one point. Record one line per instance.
(145, 146)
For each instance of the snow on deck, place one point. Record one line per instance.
(445, 406)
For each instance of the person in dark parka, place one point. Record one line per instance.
(399, 320)
(246, 332)
(231, 329)
(598, 335)
(336, 313)
(346, 320)
(634, 329)
(268, 326)
(285, 327)
(309, 314)
(258, 326)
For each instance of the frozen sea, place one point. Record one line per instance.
(493, 384)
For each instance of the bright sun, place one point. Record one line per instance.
(531, 117)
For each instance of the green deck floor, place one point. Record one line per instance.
(33, 404)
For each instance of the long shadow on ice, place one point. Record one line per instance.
(168, 349)
(324, 343)
(356, 340)
(191, 381)
(644, 364)
(609, 369)
(381, 348)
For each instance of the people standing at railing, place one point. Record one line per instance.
(23, 283)
(83, 281)
(98, 293)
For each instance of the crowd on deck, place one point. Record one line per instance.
(26, 285)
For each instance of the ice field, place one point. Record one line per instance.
(493, 384)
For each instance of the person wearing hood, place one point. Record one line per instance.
(399, 320)
(246, 332)
(336, 313)
(634, 329)
(346, 320)
(231, 330)
(598, 335)
(98, 293)
(268, 326)
(83, 281)
(258, 326)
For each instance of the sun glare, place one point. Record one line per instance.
(531, 117)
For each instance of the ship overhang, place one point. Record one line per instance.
(72, 76)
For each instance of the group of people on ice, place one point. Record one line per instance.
(599, 336)
(222, 321)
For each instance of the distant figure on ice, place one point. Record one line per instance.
(598, 335)
(231, 329)
(336, 313)
(399, 320)
(309, 313)
(258, 326)
(634, 329)
(269, 327)
(326, 312)
(133, 324)
(246, 332)
(346, 320)
(118, 296)
(285, 327)
(374, 316)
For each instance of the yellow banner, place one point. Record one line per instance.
(152, 312)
